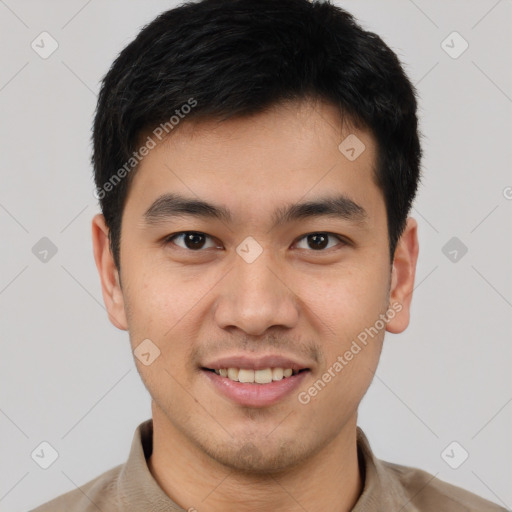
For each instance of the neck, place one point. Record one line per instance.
(328, 481)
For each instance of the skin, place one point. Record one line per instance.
(208, 452)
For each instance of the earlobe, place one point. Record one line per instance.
(402, 277)
(109, 275)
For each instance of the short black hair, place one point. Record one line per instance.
(218, 59)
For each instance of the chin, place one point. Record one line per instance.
(258, 459)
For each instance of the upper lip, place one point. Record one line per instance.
(255, 363)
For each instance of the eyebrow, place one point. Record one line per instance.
(169, 206)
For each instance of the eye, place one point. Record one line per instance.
(191, 240)
(320, 241)
(195, 241)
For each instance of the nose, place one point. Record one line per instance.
(255, 296)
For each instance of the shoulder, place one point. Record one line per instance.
(427, 493)
(98, 493)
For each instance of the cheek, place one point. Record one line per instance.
(164, 307)
(345, 300)
(159, 296)
(162, 312)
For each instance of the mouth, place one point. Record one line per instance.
(255, 388)
(251, 376)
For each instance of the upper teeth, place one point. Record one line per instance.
(259, 376)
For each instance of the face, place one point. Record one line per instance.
(257, 281)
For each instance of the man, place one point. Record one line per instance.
(255, 163)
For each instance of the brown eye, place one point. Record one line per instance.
(191, 240)
(320, 241)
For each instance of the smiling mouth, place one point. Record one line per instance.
(250, 376)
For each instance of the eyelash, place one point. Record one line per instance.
(170, 239)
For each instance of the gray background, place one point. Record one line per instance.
(67, 375)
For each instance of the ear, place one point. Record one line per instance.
(402, 276)
(109, 275)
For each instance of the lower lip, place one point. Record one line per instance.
(256, 395)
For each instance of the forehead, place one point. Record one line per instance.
(291, 152)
